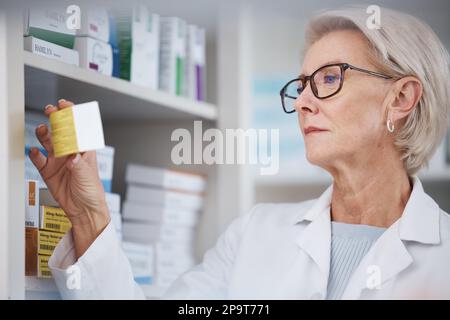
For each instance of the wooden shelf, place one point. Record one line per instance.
(118, 99)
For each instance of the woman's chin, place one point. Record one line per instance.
(317, 156)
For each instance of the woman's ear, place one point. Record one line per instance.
(406, 93)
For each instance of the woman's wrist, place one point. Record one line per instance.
(87, 227)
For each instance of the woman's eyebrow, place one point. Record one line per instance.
(322, 65)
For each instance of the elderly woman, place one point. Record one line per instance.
(373, 105)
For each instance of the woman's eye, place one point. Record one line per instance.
(329, 79)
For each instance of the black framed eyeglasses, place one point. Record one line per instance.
(325, 82)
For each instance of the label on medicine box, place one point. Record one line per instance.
(54, 219)
(77, 129)
(47, 241)
(35, 265)
(95, 55)
(43, 270)
(49, 23)
(32, 203)
(51, 50)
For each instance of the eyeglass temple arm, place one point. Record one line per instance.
(376, 74)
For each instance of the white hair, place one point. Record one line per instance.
(402, 46)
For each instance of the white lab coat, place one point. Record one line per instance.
(282, 251)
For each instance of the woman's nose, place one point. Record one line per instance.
(306, 102)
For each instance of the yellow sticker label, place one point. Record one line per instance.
(64, 136)
(43, 268)
(54, 219)
(47, 241)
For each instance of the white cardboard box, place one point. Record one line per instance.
(145, 66)
(77, 129)
(165, 178)
(195, 67)
(95, 55)
(145, 50)
(164, 198)
(105, 164)
(49, 23)
(112, 201)
(141, 258)
(95, 23)
(172, 55)
(152, 233)
(51, 50)
(160, 214)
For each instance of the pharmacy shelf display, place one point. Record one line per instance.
(118, 99)
(130, 113)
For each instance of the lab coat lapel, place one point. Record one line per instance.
(315, 240)
(386, 259)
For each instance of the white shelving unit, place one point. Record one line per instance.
(137, 122)
(56, 78)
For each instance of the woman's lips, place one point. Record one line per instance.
(309, 130)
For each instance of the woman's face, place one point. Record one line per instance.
(354, 119)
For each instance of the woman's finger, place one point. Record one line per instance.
(49, 109)
(38, 159)
(63, 103)
(44, 137)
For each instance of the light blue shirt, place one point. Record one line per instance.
(349, 245)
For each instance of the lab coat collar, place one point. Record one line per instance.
(419, 221)
(389, 255)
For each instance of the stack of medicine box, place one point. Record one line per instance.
(161, 211)
(182, 68)
(47, 34)
(46, 224)
(138, 38)
(96, 41)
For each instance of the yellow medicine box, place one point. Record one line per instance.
(47, 241)
(35, 264)
(43, 270)
(54, 219)
(77, 129)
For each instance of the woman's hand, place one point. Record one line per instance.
(75, 184)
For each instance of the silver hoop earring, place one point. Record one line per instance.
(390, 125)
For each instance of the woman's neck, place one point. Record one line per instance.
(372, 195)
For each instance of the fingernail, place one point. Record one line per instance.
(48, 106)
(42, 129)
(76, 159)
(61, 100)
